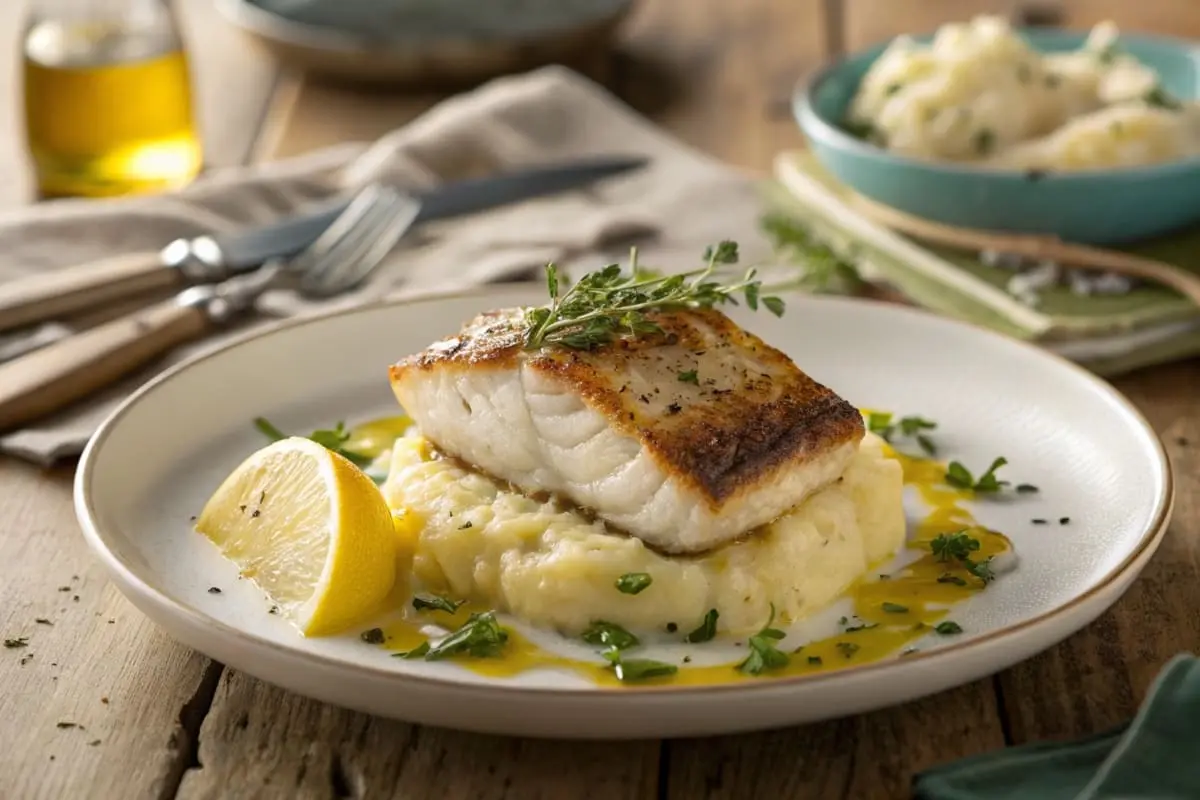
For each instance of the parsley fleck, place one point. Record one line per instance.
(43, 621)
(331, 439)
(1159, 98)
(691, 376)
(985, 139)
(420, 651)
(954, 579)
(1038, 521)
(895, 608)
(764, 655)
(465, 525)
(892, 88)
(434, 602)
(610, 635)
(1064, 520)
(20, 641)
(633, 582)
(958, 547)
(814, 659)
(214, 590)
(707, 629)
(373, 636)
(847, 649)
(883, 425)
(948, 628)
(1026, 488)
(481, 636)
(959, 476)
(637, 669)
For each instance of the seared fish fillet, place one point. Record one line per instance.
(685, 440)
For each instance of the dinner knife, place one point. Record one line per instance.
(210, 259)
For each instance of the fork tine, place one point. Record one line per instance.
(360, 206)
(362, 247)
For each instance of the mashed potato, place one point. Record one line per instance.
(979, 93)
(556, 569)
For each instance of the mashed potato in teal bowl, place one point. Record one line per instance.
(1093, 138)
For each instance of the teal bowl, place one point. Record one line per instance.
(1104, 207)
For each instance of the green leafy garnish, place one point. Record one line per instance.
(373, 636)
(948, 628)
(691, 376)
(892, 88)
(895, 608)
(1026, 488)
(814, 659)
(433, 602)
(19, 641)
(331, 439)
(481, 636)
(764, 655)
(1159, 98)
(608, 634)
(954, 579)
(633, 582)
(961, 477)
(959, 547)
(847, 649)
(637, 669)
(882, 424)
(420, 651)
(609, 303)
(824, 271)
(860, 130)
(707, 629)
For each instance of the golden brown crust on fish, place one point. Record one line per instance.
(715, 406)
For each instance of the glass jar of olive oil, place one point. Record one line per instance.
(108, 102)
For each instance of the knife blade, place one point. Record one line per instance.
(209, 259)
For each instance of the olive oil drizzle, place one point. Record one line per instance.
(891, 611)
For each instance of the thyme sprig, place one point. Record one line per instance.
(611, 303)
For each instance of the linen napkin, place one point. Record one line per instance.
(1108, 333)
(672, 209)
(1151, 758)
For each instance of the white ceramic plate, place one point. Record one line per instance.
(155, 461)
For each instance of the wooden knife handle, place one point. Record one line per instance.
(51, 378)
(61, 292)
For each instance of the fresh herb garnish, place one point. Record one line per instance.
(608, 634)
(435, 602)
(961, 477)
(847, 649)
(633, 582)
(823, 270)
(481, 636)
(954, 579)
(1026, 488)
(948, 628)
(691, 376)
(958, 547)
(707, 629)
(764, 655)
(419, 651)
(609, 303)
(19, 641)
(882, 424)
(860, 130)
(372, 636)
(1159, 98)
(895, 608)
(466, 525)
(331, 439)
(985, 139)
(637, 669)
(814, 659)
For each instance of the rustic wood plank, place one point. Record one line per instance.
(868, 22)
(95, 647)
(1110, 663)
(272, 744)
(860, 758)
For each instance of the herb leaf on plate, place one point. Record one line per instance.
(481, 636)
(611, 635)
(707, 629)
(764, 655)
(330, 439)
(434, 602)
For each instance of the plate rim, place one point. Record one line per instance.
(126, 577)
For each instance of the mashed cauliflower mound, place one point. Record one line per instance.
(556, 569)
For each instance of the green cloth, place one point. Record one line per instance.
(957, 284)
(1154, 757)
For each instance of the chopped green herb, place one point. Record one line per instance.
(691, 376)
(985, 139)
(892, 88)
(822, 270)
(1026, 488)
(214, 590)
(707, 629)
(19, 641)
(948, 628)
(608, 634)
(609, 303)
(959, 547)
(895, 608)
(1064, 520)
(373, 636)
(814, 659)
(465, 525)
(882, 424)
(633, 582)
(1159, 98)
(434, 602)
(1038, 521)
(860, 130)
(637, 669)
(847, 649)
(954, 579)
(959, 476)
(419, 651)
(764, 655)
(43, 621)
(480, 637)
(331, 439)
(862, 626)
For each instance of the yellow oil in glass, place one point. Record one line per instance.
(108, 112)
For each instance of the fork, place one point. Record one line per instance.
(342, 257)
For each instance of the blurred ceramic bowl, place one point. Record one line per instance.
(426, 42)
(1106, 206)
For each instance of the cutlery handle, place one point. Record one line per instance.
(61, 292)
(54, 376)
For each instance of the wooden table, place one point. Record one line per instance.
(103, 705)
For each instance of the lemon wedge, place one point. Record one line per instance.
(311, 529)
